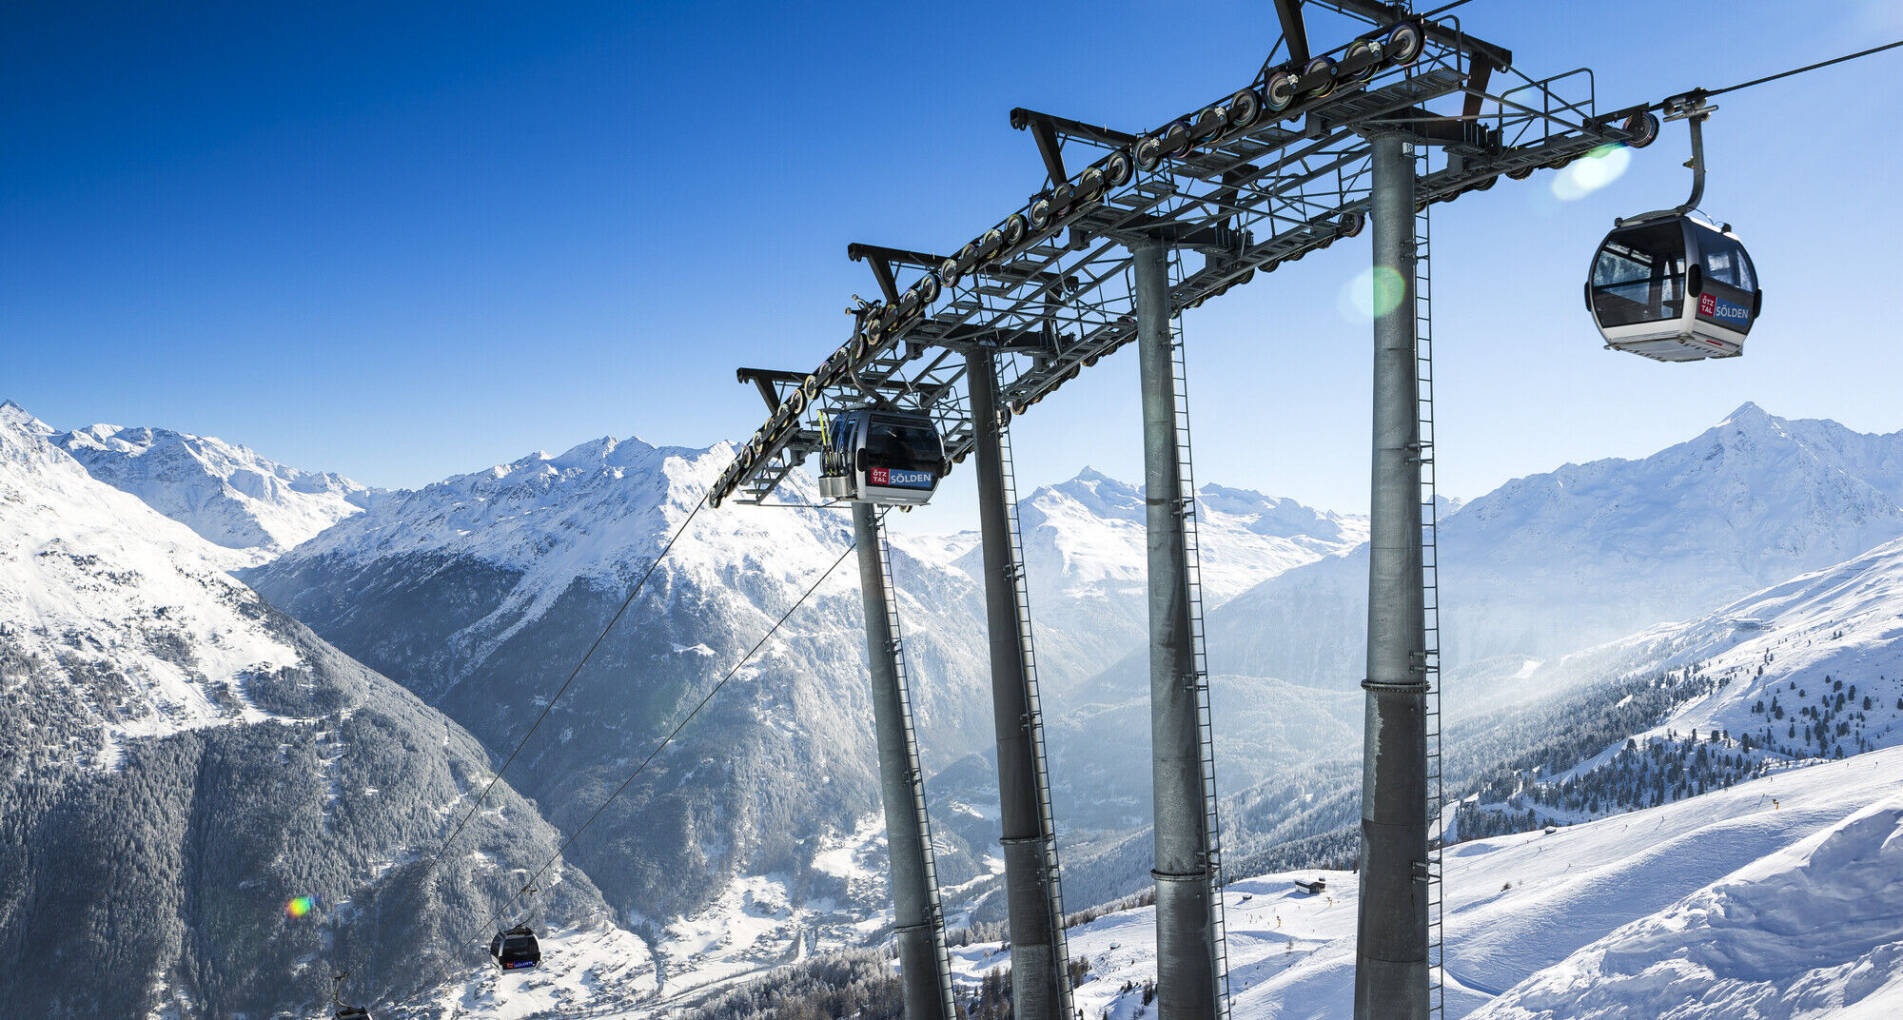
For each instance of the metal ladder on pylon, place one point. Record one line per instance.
(1053, 873)
(1430, 612)
(912, 766)
(1205, 723)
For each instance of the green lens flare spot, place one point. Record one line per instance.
(1374, 292)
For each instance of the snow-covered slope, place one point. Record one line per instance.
(1808, 669)
(179, 760)
(1783, 895)
(1590, 553)
(92, 578)
(1820, 652)
(1811, 930)
(228, 494)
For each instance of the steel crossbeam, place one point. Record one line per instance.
(1245, 199)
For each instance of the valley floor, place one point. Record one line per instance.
(1780, 898)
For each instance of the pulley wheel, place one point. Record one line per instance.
(1244, 108)
(1176, 139)
(1324, 69)
(1149, 152)
(1014, 229)
(1211, 123)
(1280, 94)
(1644, 129)
(1404, 42)
(1041, 213)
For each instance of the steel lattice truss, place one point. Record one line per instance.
(1050, 287)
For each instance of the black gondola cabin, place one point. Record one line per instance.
(515, 949)
(873, 455)
(1673, 288)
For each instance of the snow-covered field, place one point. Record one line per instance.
(759, 922)
(1778, 898)
(596, 971)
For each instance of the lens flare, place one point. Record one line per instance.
(299, 906)
(1590, 172)
(1375, 292)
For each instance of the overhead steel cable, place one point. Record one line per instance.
(1708, 93)
(572, 674)
(529, 885)
(442, 851)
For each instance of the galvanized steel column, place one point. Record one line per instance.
(1185, 953)
(917, 927)
(1035, 970)
(1391, 967)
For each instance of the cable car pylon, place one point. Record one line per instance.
(1191, 971)
(1040, 985)
(918, 923)
(1391, 940)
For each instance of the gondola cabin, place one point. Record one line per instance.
(515, 949)
(352, 1013)
(1673, 288)
(874, 455)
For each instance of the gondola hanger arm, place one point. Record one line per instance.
(1691, 108)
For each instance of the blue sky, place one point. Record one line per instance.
(402, 241)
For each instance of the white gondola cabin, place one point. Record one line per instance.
(876, 455)
(1673, 288)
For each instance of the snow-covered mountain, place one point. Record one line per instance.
(1806, 670)
(179, 761)
(1084, 554)
(228, 494)
(1589, 553)
(482, 593)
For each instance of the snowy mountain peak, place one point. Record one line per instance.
(598, 512)
(18, 417)
(1588, 553)
(1097, 493)
(1748, 413)
(227, 493)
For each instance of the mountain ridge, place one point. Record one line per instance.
(180, 763)
(227, 493)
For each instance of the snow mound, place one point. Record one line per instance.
(1780, 898)
(1809, 931)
